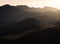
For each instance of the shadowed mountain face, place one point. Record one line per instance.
(21, 26)
(24, 24)
(28, 23)
(12, 14)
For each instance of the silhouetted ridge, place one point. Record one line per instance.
(7, 6)
(22, 6)
(22, 26)
(27, 24)
(50, 9)
(10, 14)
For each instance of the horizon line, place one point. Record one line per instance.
(28, 6)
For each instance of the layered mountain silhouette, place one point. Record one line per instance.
(12, 14)
(25, 24)
(21, 26)
(28, 23)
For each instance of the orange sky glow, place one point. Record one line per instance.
(33, 3)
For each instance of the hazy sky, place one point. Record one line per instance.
(32, 3)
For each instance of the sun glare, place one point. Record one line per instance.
(51, 3)
(55, 3)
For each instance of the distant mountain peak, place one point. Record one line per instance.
(50, 9)
(46, 7)
(6, 5)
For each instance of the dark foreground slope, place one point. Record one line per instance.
(47, 36)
